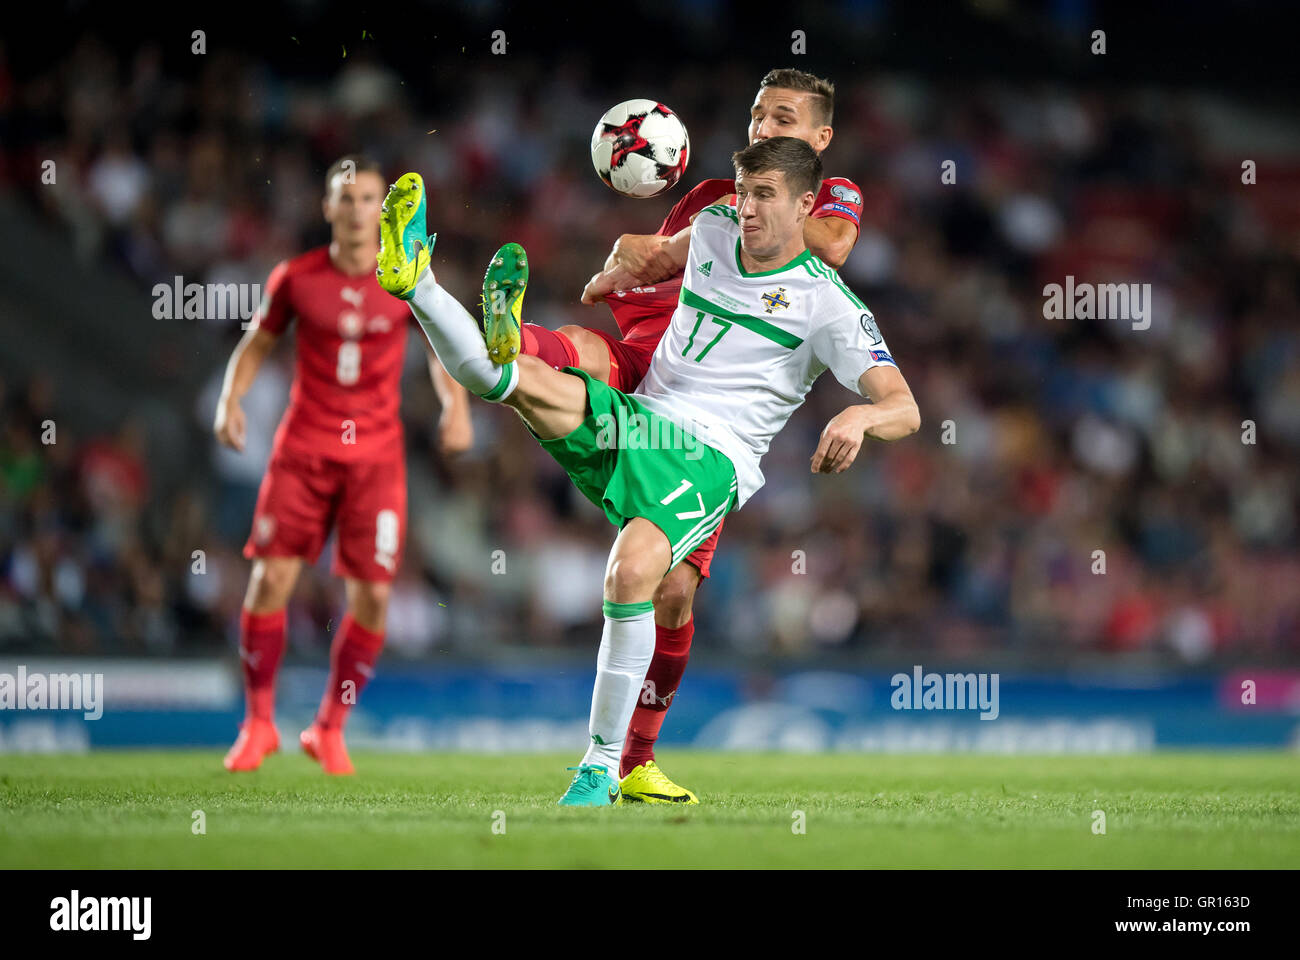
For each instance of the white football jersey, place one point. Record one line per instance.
(743, 349)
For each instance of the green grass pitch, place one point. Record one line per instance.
(135, 809)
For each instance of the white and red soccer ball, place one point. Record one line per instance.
(640, 148)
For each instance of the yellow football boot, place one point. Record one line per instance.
(647, 783)
(403, 243)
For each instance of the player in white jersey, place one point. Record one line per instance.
(738, 390)
(760, 318)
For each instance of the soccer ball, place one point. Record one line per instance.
(640, 148)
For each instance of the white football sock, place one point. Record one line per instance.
(458, 342)
(627, 646)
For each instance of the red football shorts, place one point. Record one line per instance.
(302, 497)
(628, 359)
(701, 558)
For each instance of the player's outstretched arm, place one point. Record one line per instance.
(892, 415)
(455, 431)
(639, 259)
(602, 284)
(649, 256)
(246, 359)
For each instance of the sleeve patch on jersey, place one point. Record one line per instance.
(841, 208)
(880, 356)
(870, 329)
(847, 194)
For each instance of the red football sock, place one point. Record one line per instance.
(672, 650)
(553, 347)
(261, 645)
(352, 660)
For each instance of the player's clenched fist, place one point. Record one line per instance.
(841, 440)
(645, 257)
(598, 288)
(229, 425)
(602, 284)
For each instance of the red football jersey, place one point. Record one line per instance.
(646, 311)
(351, 342)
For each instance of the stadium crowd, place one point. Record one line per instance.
(1173, 450)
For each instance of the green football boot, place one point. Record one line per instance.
(503, 299)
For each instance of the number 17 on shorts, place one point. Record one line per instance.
(694, 519)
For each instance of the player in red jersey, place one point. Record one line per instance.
(641, 282)
(338, 460)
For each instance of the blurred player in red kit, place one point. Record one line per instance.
(641, 283)
(338, 460)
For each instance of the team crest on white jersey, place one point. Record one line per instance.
(776, 300)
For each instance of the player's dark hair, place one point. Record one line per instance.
(359, 163)
(823, 91)
(792, 156)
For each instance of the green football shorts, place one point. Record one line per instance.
(632, 462)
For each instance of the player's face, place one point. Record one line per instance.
(771, 217)
(353, 209)
(787, 113)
